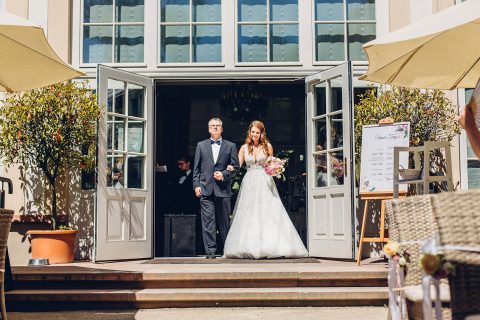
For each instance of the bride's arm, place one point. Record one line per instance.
(241, 156)
(270, 150)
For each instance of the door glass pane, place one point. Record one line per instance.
(361, 9)
(135, 171)
(129, 11)
(207, 43)
(119, 134)
(175, 44)
(284, 42)
(115, 170)
(321, 178)
(206, 10)
(336, 168)
(97, 44)
(97, 11)
(252, 42)
(135, 136)
(136, 100)
(330, 42)
(110, 97)
(252, 10)
(358, 35)
(336, 131)
(129, 43)
(320, 100)
(336, 95)
(328, 10)
(284, 10)
(175, 10)
(119, 97)
(321, 134)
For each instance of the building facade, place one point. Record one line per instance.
(189, 60)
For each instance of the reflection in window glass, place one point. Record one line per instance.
(252, 43)
(328, 10)
(336, 131)
(358, 34)
(321, 168)
(330, 42)
(252, 10)
(337, 169)
(321, 132)
(135, 136)
(175, 45)
(102, 31)
(175, 10)
(361, 9)
(321, 101)
(206, 10)
(284, 42)
(283, 10)
(207, 43)
(135, 172)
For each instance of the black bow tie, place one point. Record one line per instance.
(219, 142)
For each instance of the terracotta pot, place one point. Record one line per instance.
(57, 246)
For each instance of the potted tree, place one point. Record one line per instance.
(52, 129)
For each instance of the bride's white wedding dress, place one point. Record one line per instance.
(261, 227)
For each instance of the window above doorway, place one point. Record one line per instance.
(342, 27)
(113, 31)
(267, 31)
(190, 31)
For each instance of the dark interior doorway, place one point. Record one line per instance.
(182, 111)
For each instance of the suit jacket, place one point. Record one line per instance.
(185, 200)
(204, 167)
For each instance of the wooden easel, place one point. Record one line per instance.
(370, 196)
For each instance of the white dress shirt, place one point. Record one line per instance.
(216, 149)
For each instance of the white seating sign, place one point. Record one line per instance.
(378, 141)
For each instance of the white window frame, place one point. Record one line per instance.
(113, 24)
(345, 23)
(267, 23)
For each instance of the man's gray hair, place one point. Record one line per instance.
(216, 120)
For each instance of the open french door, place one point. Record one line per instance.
(330, 175)
(124, 211)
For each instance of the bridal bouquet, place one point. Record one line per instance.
(275, 167)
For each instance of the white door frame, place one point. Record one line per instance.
(330, 217)
(124, 216)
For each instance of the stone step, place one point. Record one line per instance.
(58, 278)
(53, 299)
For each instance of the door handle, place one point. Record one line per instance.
(345, 166)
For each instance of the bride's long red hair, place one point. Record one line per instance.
(263, 142)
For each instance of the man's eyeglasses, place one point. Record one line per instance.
(215, 125)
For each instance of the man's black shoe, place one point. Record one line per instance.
(211, 256)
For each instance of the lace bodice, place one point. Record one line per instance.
(250, 160)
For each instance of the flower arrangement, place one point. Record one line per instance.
(275, 167)
(337, 167)
(393, 250)
(435, 265)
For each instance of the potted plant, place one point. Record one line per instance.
(52, 129)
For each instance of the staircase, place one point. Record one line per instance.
(76, 287)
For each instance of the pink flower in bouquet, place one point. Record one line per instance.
(275, 167)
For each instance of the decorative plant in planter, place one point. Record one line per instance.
(430, 113)
(52, 129)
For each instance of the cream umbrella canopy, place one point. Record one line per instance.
(441, 51)
(26, 59)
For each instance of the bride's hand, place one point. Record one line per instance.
(230, 168)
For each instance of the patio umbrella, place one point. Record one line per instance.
(441, 51)
(26, 59)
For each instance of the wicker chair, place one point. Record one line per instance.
(458, 217)
(6, 217)
(412, 219)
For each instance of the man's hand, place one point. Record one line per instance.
(198, 192)
(230, 168)
(217, 175)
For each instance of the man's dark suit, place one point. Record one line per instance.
(215, 199)
(185, 200)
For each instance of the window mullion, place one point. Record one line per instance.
(268, 31)
(191, 31)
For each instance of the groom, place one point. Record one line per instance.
(212, 183)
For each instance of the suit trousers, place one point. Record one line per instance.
(215, 213)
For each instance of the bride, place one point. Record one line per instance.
(261, 227)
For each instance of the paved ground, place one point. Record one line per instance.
(308, 313)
